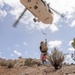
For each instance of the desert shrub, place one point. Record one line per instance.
(56, 58)
(73, 43)
(10, 63)
(29, 62)
(2, 63)
(72, 63)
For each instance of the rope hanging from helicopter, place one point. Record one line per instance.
(43, 32)
(45, 35)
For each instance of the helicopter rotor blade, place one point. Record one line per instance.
(57, 12)
(15, 24)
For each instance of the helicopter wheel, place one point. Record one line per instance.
(34, 19)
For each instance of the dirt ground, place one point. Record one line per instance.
(38, 70)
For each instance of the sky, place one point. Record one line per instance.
(24, 40)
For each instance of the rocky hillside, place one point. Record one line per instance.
(29, 66)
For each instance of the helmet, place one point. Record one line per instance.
(41, 42)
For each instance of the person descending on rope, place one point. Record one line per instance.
(43, 47)
(43, 50)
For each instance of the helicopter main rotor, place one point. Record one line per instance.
(15, 24)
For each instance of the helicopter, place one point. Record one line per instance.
(40, 9)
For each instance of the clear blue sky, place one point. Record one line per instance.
(25, 39)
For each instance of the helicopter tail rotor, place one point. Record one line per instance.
(15, 24)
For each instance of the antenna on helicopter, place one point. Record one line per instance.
(15, 24)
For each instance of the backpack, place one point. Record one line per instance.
(44, 47)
